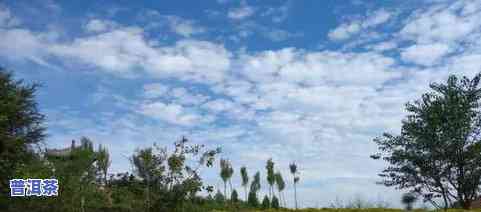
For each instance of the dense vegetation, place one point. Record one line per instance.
(437, 156)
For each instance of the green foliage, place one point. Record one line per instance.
(234, 196)
(21, 127)
(270, 175)
(252, 200)
(219, 198)
(408, 200)
(275, 202)
(438, 152)
(245, 180)
(266, 203)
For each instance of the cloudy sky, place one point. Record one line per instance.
(307, 81)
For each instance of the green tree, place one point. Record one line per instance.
(271, 179)
(21, 127)
(294, 172)
(408, 200)
(234, 196)
(438, 152)
(226, 172)
(280, 184)
(255, 187)
(245, 180)
(266, 203)
(219, 198)
(275, 202)
(103, 162)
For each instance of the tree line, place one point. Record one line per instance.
(436, 158)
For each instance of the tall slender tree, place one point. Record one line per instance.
(103, 162)
(281, 185)
(255, 187)
(245, 180)
(293, 169)
(270, 175)
(226, 172)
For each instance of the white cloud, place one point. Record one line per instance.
(126, 48)
(242, 12)
(441, 24)
(173, 114)
(347, 30)
(155, 90)
(428, 54)
(184, 27)
(97, 25)
(6, 18)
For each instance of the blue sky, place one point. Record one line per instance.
(306, 81)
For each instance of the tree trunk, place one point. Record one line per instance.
(295, 195)
(245, 192)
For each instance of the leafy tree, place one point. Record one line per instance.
(219, 198)
(408, 200)
(245, 180)
(275, 202)
(293, 169)
(21, 127)
(103, 162)
(226, 172)
(438, 152)
(255, 187)
(234, 196)
(149, 167)
(174, 177)
(266, 203)
(270, 176)
(281, 185)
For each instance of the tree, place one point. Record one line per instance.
(234, 196)
(293, 169)
(21, 127)
(275, 202)
(175, 175)
(438, 152)
(103, 162)
(266, 203)
(281, 185)
(219, 198)
(270, 176)
(226, 172)
(245, 180)
(255, 187)
(408, 200)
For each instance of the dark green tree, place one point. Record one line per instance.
(271, 178)
(266, 203)
(438, 153)
(280, 184)
(21, 127)
(408, 200)
(245, 180)
(226, 172)
(293, 169)
(219, 198)
(255, 187)
(275, 202)
(234, 196)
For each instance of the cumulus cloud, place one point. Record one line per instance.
(173, 114)
(242, 12)
(184, 27)
(97, 25)
(427, 54)
(347, 30)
